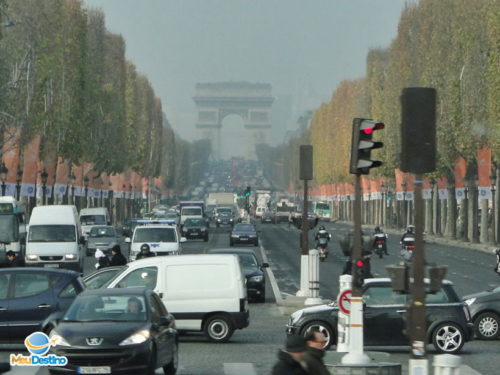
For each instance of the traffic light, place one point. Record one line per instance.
(248, 191)
(359, 273)
(436, 276)
(362, 145)
(399, 275)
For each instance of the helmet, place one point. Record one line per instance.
(144, 247)
(322, 227)
(377, 229)
(410, 229)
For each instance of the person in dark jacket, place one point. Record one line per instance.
(313, 357)
(102, 259)
(145, 252)
(117, 258)
(290, 359)
(14, 259)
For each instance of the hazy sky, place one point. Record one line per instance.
(304, 48)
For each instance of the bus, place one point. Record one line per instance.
(323, 210)
(12, 228)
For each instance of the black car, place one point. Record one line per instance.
(244, 233)
(29, 295)
(116, 331)
(195, 228)
(485, 310)
(448, 320)
(255, 278)
(268, 217)
(224, 218)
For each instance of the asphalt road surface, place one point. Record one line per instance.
(253, 350)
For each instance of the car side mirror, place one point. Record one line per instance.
(127, 240)
(165, 320)
(264, 265)
(183, 239)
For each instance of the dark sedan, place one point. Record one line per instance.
(448, 319)
(195, 228)
(254, 273)
(268, 217)
(244, 233)
(29, 295)
(224, 218)
(116, 331)
(102, 237)
(485, 310)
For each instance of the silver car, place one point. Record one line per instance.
(102, 237)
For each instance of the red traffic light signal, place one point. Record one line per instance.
(362, 145)
(360, 263)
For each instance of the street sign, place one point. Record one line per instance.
(345, 301)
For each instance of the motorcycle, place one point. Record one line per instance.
(407, 247)
(322, 244)
(380, 245)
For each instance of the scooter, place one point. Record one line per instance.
(407, 247)
(379, 245)
(322, 244)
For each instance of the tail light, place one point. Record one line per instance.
(243, 304)
(410, 247)
(379, 242)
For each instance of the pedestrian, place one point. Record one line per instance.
(102, 259)
(145, 252)
(13, 259)
(117, 258)
(290, 360)
(313, 357)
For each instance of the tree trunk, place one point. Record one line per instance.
(496, 209)
(451, 225)
(435, 210)
(472, 215)
(428, 216)
(484, 220)
(443, 216)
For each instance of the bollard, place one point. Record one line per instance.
(304, 277)
(313, 298)
(447, 364)
(343, 320)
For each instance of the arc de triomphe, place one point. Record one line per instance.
(251, 101)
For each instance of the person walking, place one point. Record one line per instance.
(313, 357)
(117, 258)
(14, 259)
(290, 360)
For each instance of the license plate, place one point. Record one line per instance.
(244, 239)
(94, 370)
(51, 265)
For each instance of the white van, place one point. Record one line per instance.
(204, 292)
(90, 217)
(162, 240)
(55, 238)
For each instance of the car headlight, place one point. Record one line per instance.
(70, 257)
(235, 236)
(295, 317)
(218, 220)
(257, 279)
(32, 257)
(470, 301)
(56, 339)
(136, 338)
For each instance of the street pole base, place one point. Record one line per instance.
(355, 358)
(302, 293)
(418, 366)
(313, 301)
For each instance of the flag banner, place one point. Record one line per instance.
(409, 196)
(10, 189)
(343, 198)
(79, 191)
(484, 192)
(60, 189)
(400, 195)
(366, 196)
(28, 190)
(376, 195)
(443, 193)
(105, 194)
(117, 194)
(90, 192)
(460, 193)
(427, 193)
(97, 193)
(48, 191)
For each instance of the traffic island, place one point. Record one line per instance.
(379, 365)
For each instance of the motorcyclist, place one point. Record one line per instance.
(145, 252)
(407, 239)
(322, 233)
(380, 235)
(409, 233)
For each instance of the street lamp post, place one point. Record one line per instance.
(44, 176)
(494, 219)
(130, 201)
(72, 180)
(405, 223)
(86, 183)
(384, 205)
(19, 178)
(3, 176)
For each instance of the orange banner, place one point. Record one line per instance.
(460, 171)
(483, 167)
(10, 154)
(30, 167)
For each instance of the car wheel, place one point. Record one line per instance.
(322, 327)
(218, 328)
(486, 326)
(171, 368)
(448, 338)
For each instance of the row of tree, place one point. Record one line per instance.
(65, 77)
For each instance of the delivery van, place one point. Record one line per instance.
(204, 292)
(55, 238)
(90, 217)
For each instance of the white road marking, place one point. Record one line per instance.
(272, 279)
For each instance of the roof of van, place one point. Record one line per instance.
(56, 214)
(184, 259)
(93, 211)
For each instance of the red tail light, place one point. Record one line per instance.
(379, 242)
(411, 247)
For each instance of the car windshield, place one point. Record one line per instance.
(247, 260)
(9, 229)
(191, 211)
(155, 235)
(92, 219)
(94, 308)
(244, 228)
(52, 233)
(102, 232)
(194, 222)
(322, 206)
(171, 215)
(224, 211)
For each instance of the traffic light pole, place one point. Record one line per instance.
(416, 314)
(304, 245)
(356, 355)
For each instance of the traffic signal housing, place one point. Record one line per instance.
(362, 145)
(248, 191)
(358, 273)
